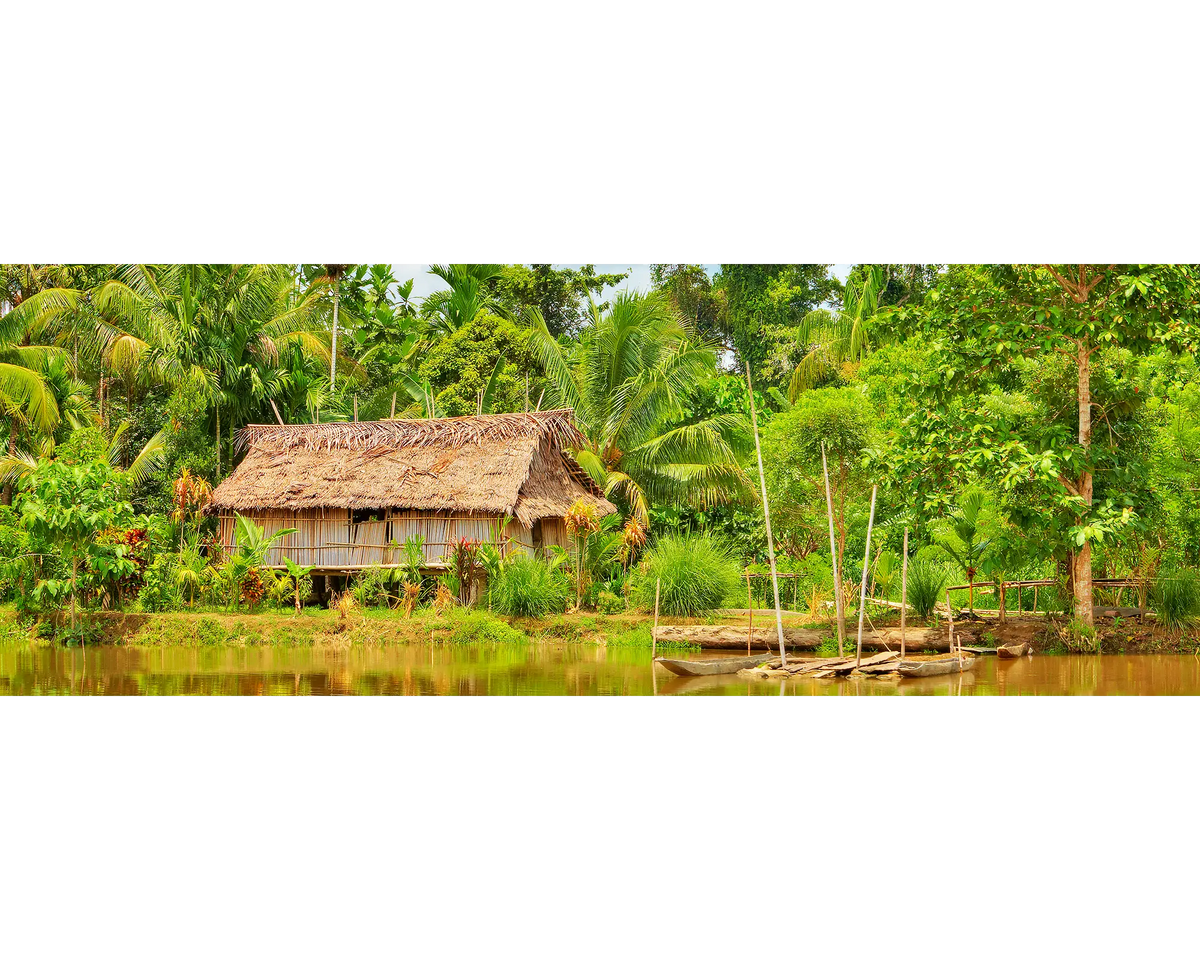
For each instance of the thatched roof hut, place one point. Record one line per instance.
(355, 489)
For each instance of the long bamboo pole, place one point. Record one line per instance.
(903, 593)
(762, 479)
(840, 611)
(862, 599)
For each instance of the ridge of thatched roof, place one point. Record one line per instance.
(449, 432)
(503, 464)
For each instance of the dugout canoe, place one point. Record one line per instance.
(711, 668)
(935, 666)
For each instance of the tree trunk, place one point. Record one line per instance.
(6, 495)
(337, 289)
(1082, 570)
(74, 585)
(218, 442)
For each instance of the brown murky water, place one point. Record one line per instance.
(534, 669)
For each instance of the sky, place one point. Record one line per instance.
(639, 275)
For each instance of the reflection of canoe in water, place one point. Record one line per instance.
(935, 666)
(710, 668)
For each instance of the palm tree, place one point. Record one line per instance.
(227, 331)
(627, 380)
(468, 296)
(832, 339)
(15, 465)
(334, 272)
(962, 541)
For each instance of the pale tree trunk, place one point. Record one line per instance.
(218, 440)
(337, 290)
(74, 585)
(1082, 570)
(6, 495)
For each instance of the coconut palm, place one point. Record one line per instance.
(628, 379)
(468, 296)
(14, 465)
(833, 338)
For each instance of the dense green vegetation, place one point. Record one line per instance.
(1022, 422)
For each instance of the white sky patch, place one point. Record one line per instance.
(424, 283)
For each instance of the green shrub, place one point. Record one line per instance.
(609, 603)
(528, 587)
(160, 590)
(926, 584)
(479, 627)
(1176, 598)
(373, 587)
(697, 572)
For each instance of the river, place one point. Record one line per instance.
(533, 669)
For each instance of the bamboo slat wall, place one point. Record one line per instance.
(330, 539)
(554, 533)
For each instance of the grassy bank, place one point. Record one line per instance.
(316, 626)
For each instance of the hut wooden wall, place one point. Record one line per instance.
(330, 540)
(554, 533)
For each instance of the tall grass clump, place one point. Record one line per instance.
(926, 583)
(697, 572)
(1176, 598)
(527, 587)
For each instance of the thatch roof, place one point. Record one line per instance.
(505, 463)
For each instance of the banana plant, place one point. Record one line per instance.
(295, 574)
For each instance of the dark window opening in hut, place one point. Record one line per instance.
(536, 533)
(366, 516)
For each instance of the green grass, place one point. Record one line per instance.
(1176, 599)
(527, 587)
(697, 573)
(926, 584)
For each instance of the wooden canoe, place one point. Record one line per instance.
(1010, 651)
(935, 666)
(711, 668)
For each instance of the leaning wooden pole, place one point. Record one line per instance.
(862, 599)
(839, 610)
(750, 610)
(950, 615)
(654, 631)
(903, 593)
(762, 480)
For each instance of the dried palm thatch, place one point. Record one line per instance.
(511, 464)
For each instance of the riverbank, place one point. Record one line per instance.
(322, 627)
